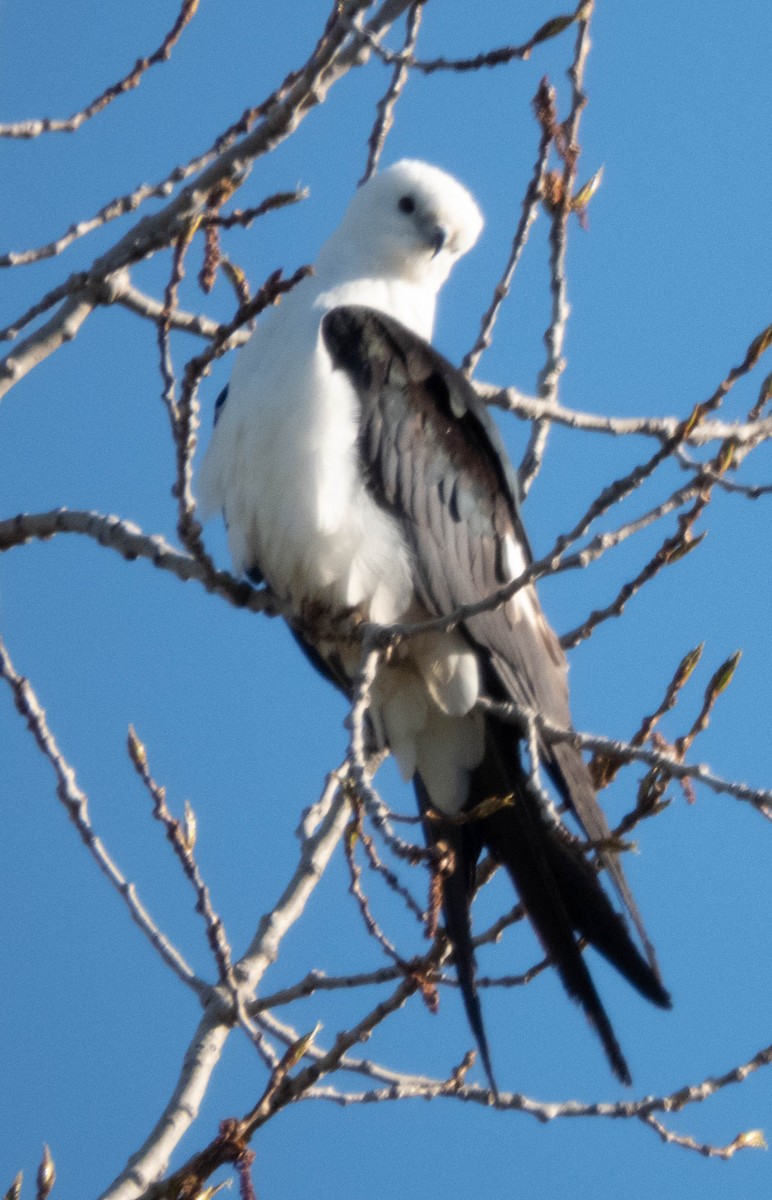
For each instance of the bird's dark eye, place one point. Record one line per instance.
(406, 204)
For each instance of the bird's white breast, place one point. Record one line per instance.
(283, 468)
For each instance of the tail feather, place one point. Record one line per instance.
(457, 888)
(459, 929)
(574, 776)
(557, 885)
(518, 837)
(594, 918)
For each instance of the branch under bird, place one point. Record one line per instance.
(357, 470)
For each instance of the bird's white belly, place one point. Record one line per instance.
(283, 466)
(295, 503)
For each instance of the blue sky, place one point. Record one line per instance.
(668, 285)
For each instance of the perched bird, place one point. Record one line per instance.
(358, 471)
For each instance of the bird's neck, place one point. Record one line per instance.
(344, 276)
(404, 300)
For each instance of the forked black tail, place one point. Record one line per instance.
(557, 884)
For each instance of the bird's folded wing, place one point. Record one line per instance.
(432, 457)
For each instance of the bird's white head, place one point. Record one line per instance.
(411, 221)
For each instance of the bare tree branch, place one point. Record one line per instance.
(528, 215)
(34, 128)
(387, 104)
(759, 798)
(75, 802)
(567, 144)
(330, 61)
(320, 832)
(131, 543)
(661, 428)
(490, 58)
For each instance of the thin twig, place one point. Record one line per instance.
(413, 1087)
(355, 889)
(386, 105)
(282, 1090)
(131, 543)
(554, 338)
(752, 1139)
(490, 58)
(153, 310)
(759, 798)
(530, 408)
(528, 215)
(604, 768)
(34, 128)
(182, 840)
(336, 53)
(75, 802)
(319, 838)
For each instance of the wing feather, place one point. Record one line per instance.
(433, 457)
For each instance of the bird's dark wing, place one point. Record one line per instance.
(432, 457)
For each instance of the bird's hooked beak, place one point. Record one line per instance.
(438, 239)
(434, 234)
(439, 236)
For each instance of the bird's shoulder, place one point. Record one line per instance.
(415, 403)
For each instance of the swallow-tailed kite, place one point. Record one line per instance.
(358, 471)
